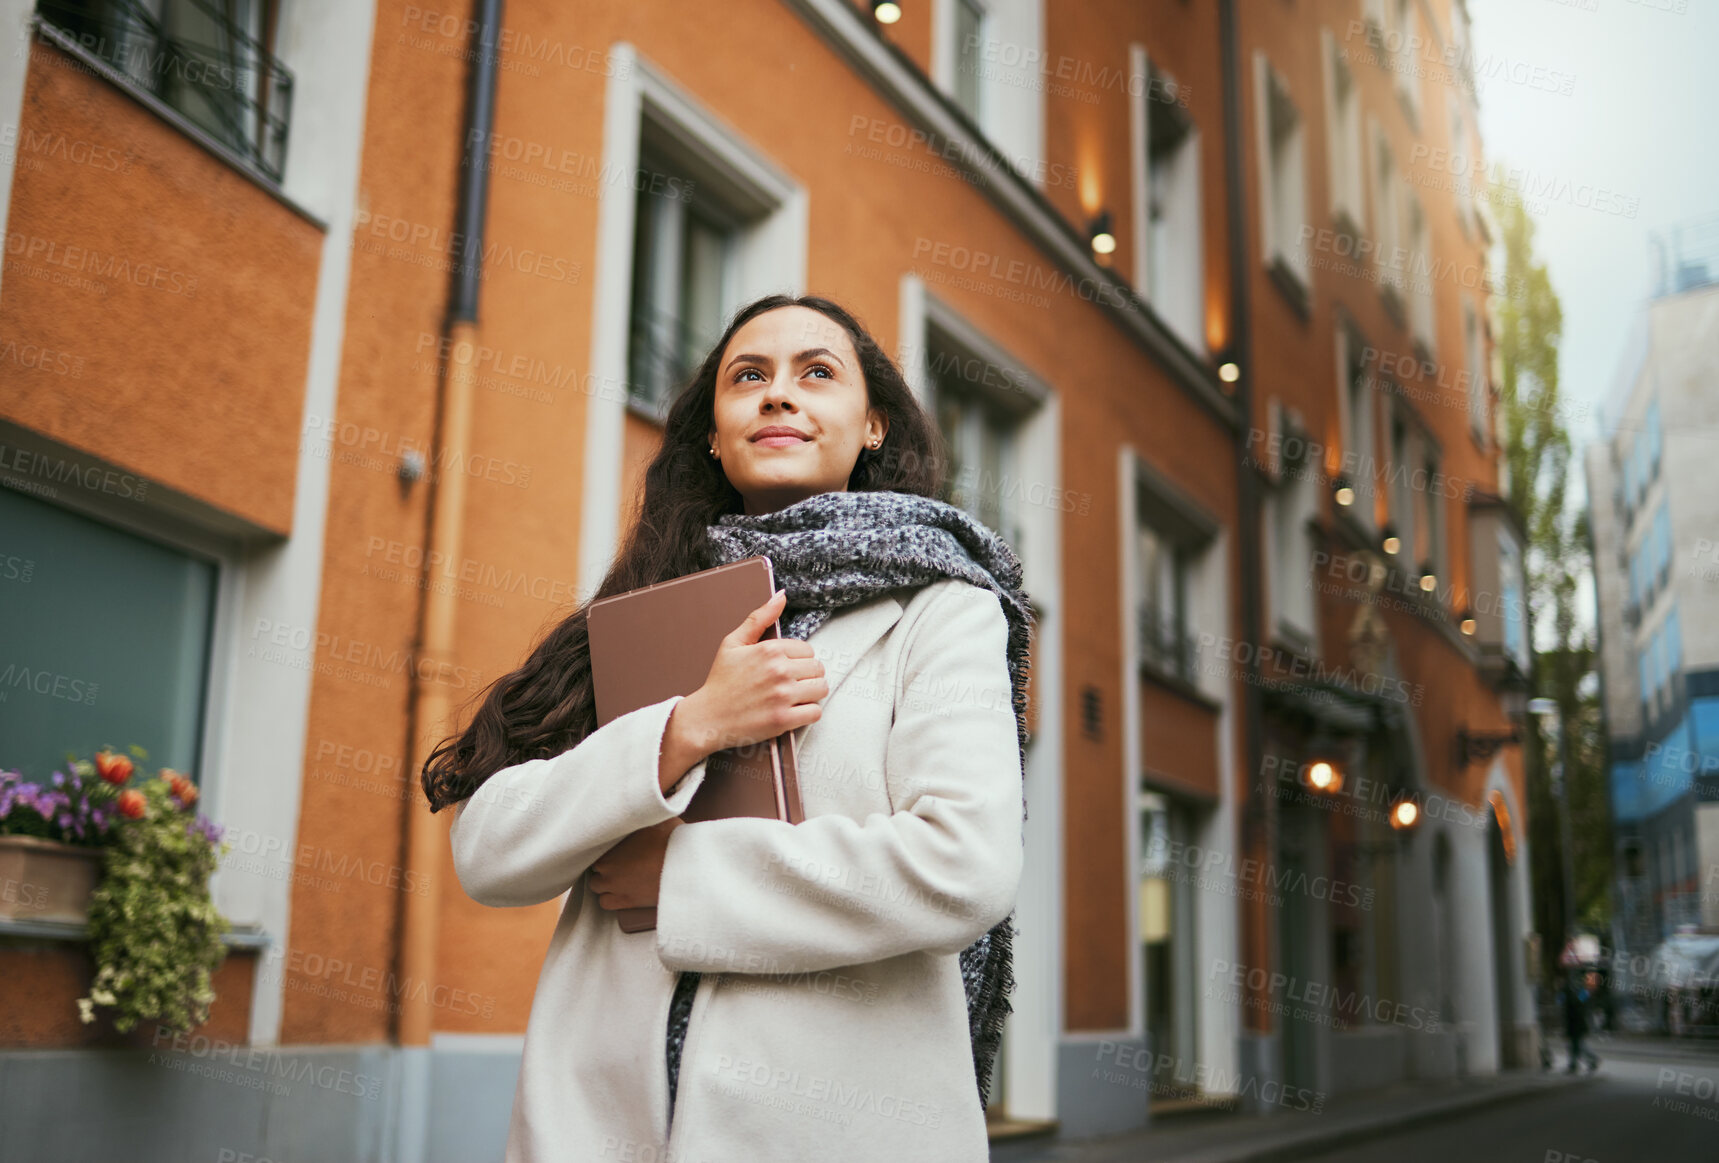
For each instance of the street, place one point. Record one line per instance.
(1644, 1109)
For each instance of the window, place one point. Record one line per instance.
(1402, 489)
(1477, 386)
(1402, 41)
(1355, 386)
(1462, 169)
(1420, 271)
(1513, 597)
(1343, 132)
(1386, 218)
(1283, 196)
(1432, 519)
(106, 642)
(1290, 508)
(1165, 643)
(684, 248)
(1168, 260)
(981, 475)
(213, 63)
(969, 39)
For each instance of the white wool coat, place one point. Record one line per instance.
(831, 1021)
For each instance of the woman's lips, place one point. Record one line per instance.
(779, 441)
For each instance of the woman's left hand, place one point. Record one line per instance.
(628, 875)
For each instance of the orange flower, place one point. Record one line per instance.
(116, 769)
(131, 804)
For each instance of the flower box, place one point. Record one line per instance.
(44, 880)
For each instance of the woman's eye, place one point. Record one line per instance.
(818, 367)
(747, 371)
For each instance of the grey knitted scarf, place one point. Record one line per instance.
(835, 550)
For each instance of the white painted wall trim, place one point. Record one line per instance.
(16, 18)
(1034, 1032)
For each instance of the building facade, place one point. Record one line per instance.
(348, 349)
(1655, 578)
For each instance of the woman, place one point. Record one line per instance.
(832, 990)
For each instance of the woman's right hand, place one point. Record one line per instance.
(756, 689)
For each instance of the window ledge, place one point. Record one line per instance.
(1294, 287)
(68, 44)
(244, 937)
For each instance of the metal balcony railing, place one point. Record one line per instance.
(210, 61)
(1165, 645)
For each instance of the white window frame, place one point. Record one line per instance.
(1464, 186)
(770, 257)
(1473, 347)
(1035, 1033)
(1184, 307)
(1291, 507)
(1011, 79)
(1343, 136)
(1418, 273)
(1358, 420)
(1279, 218)
(1404, 520)
(1384, 178)
(1407, 19)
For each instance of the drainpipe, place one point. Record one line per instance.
(1259, 816)
(431, 707)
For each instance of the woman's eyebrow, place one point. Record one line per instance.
(799, 357)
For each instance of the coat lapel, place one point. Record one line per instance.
(843, 640)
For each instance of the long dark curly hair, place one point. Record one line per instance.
(548, 704)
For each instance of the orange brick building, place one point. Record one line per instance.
(1176, 280)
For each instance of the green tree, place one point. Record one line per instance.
(1538, 452)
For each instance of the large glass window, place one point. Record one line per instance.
(104, 641)
(684, 252)
(980, 474)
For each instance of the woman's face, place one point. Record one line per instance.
(795, 370)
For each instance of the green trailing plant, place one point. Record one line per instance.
(154, 931)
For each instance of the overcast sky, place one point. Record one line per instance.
(1638, 123)
(1634, 132)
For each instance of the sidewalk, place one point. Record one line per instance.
(1242, 1138)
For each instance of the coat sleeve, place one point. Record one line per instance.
(763, 896)
(533, 829)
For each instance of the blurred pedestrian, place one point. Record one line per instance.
(1575, 1002)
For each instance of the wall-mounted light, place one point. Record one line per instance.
(1405, 813)
(1389, 541)
(1229, 371)
(1102, 234)
(885, 12)
(1466, 621)
(1323, 776)
(1429, 578)
(1343, 492)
